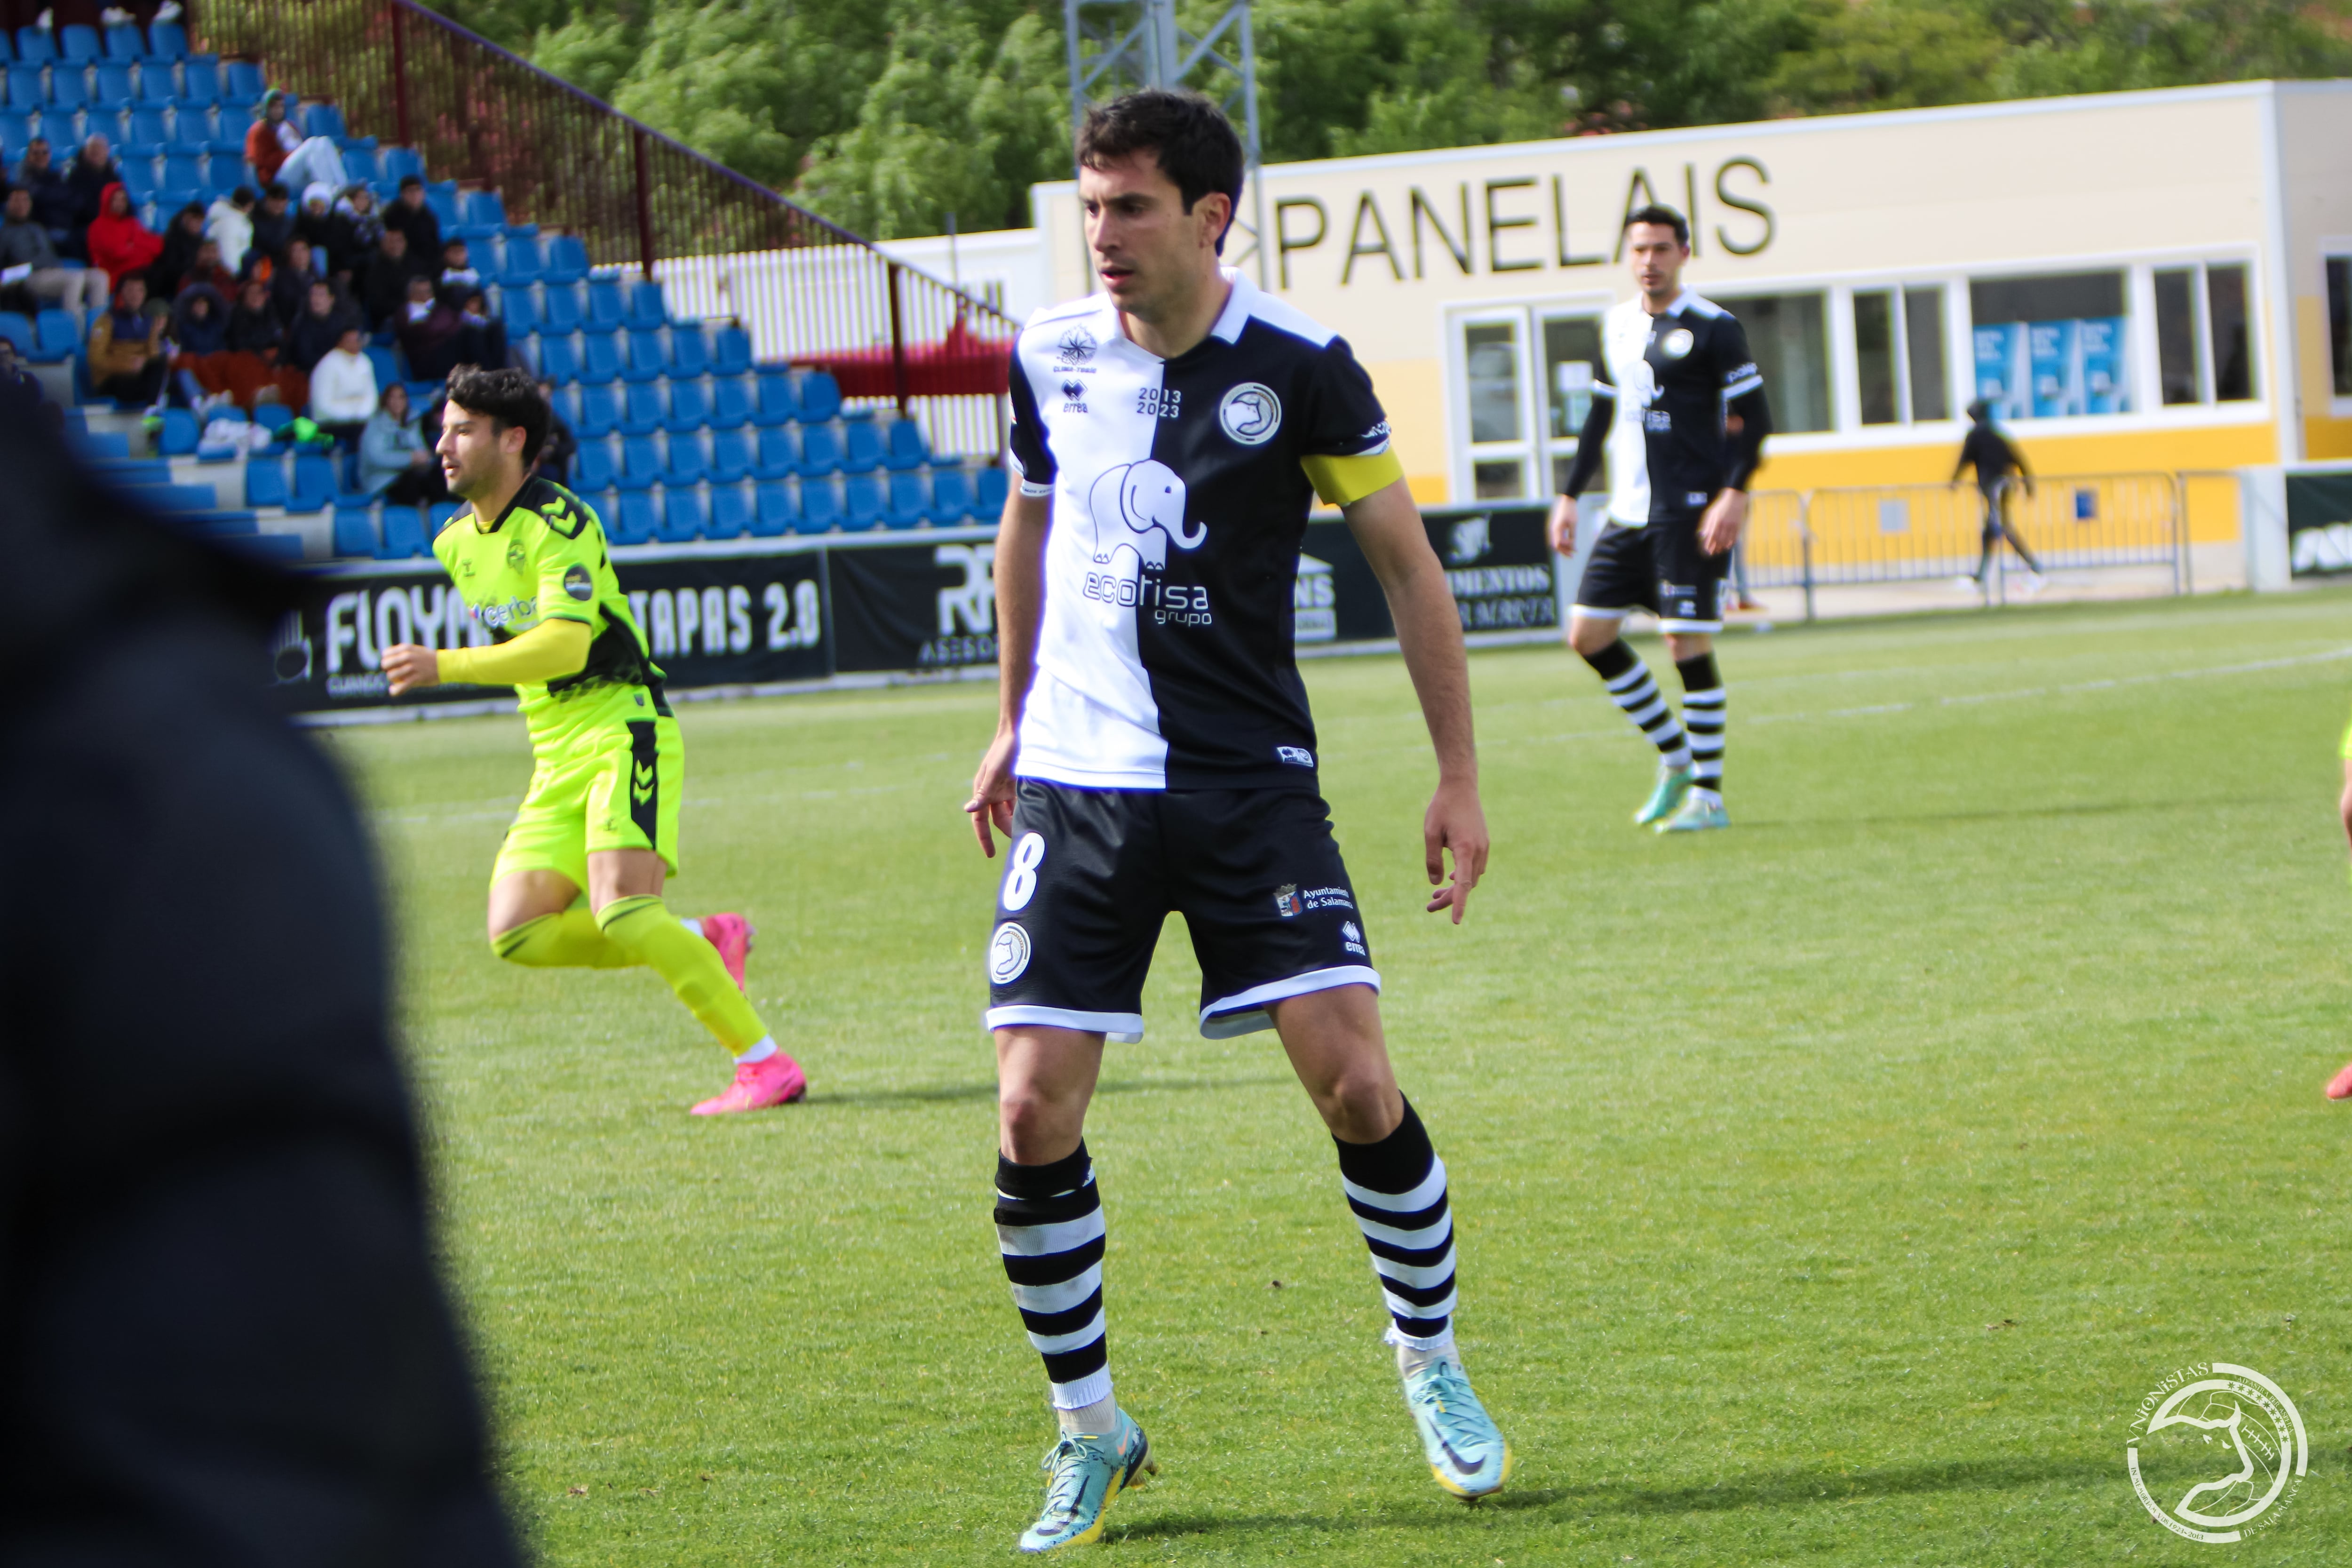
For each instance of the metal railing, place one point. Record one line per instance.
(722, 246)
(1862, 535)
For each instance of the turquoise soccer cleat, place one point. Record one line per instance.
(1465, 1451)
(1674, 783)
(1083, 1474)
(1702, 811)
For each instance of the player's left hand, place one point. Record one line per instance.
(411, 666)
(1454, 821)
(1718, 531)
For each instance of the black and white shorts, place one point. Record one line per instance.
(1658, 567)
(1094, 873)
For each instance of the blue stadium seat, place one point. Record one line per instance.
(7, 47)
(229, 130)
(265, 481)
(905, 447)
(480, 215)
(354, 531)
(647, 307)
(862, 502)
(687, 465)
(147, 135)
(647, 362)
(820, 506)
(243, 80)
(138, 178)
(114, 124)
(443, 203)
(558, 361)
(27, 91)
(682, 518)
(79, 42)
(733, 355)
(323, 119)
(642, 412)
(565, 401)
(523, 262)
(182, 171)
(13, 134)
(124, 44)
(636, 522)
(730, 512)
(284, 548)
(641, 464)
(18, 330)
(113, 88)
(689, 407)
(731, 404)
(200, 85)
(779, 403)
(167, 41)
(820, 397)
(314, 482)
(403, 534)
(606, 310)
(191, 130)
(780, 454)
(437, 517)
(778, 511)
(600, 359)
(820, 450)
(908, 502)
(593, 468)
(567, 258)
(360, 163)
(225, 172)
(689, 352)
(53, 338)
(156, 86)
(35, 46)
(558, 305)
(951, 497)
(396, 163)
(387, 365)
(515, 308)
(861, 451)
(59, 128)
(600, 413)
(730, 454)
(988, 489)
(68, 89)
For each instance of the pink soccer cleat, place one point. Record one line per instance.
(2340, 1086)
(732, 936)
(771, 1081)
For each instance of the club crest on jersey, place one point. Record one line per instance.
(577, 582)
(1137, 512)
(1677, 343)
(515, 557)
(1008, 954)
(1251, 414)
(1285, 900)
(1074, 348)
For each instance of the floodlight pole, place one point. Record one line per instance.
(1120, 46)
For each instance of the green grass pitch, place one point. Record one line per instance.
(1829, 1190)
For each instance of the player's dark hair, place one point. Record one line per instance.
(1191, 137)
(1665, 217)
(510, 397)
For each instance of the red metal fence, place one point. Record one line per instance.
(722, 246)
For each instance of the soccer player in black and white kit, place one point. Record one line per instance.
(1154, 754)
(1679, 411)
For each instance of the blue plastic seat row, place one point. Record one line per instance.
(194, 85)
(82, 43)
(780, 451)
(950, 498)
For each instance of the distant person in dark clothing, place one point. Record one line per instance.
(457, 269)
(53, 199)
(440, 335)
(383, 290)
(93, 169)
(273, 225)
(411, 215)
(222, 1334)
(1998, 466)
(182, 238)
(352, 234)
(555, 454)
(207, 270)
(290, 277)
(317, 331)
(21, 394)
(200, 320)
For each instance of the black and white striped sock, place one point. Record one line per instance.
(1632, 687)
(1703, 712)
(1396, 1189)
(1049, 1227)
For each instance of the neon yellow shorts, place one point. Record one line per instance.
(616, 787)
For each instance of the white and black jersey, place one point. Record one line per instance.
(1181, 490)
(1659, 411)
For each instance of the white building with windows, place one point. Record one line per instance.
(2139, 281)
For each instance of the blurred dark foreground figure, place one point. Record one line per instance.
(221, 1337)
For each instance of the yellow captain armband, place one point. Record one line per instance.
(1340, 480)
(547, 651)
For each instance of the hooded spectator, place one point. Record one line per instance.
(253, 327)
(316, 221)
(200, 320)
(178, 257)
(119, 245)
(273, 226)
(385, 290)
(317, 329)
(126, 347)
(352, 234)
(272, 139)
(411, 215)
(229, 220)
(25, 243)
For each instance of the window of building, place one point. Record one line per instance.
(1899, 371)
(1786, 334)
(1492, 358)
(1922, 338)
(2051, 346)
(2203, 348)
(1571, 362)
(2340, 321)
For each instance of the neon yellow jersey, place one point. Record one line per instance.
(544, 559)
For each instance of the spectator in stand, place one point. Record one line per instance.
(411, 215)
(486, 336)
(200, 323)
(458, 270)
(384, 291)
(315, 333)
(207, 270)
(53, 199)
(343, 388)
(21, 393)
(245, 366)
(273, 226)
(352, 233)
(119, 245)
(394, 462)
(253, 326)
(229, 220)
(93, 169)
(178, 258)
(24, 242)
(126, 348)
(290, 279)
(316, 221)
(272, 139)
(555, 454)
(430, 333)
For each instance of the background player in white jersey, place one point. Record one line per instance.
(1154, 752)
(1679, 413)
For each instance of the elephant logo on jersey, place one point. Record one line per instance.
(1137, 508)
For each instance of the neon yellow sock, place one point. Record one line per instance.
(646, 929)
(572, 939)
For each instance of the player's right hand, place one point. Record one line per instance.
(991, 791)
(411, 666)
(1563, 525)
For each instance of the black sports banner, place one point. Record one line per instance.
(2319, 523)
(919, 605)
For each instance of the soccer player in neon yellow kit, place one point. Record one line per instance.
(578, 883)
